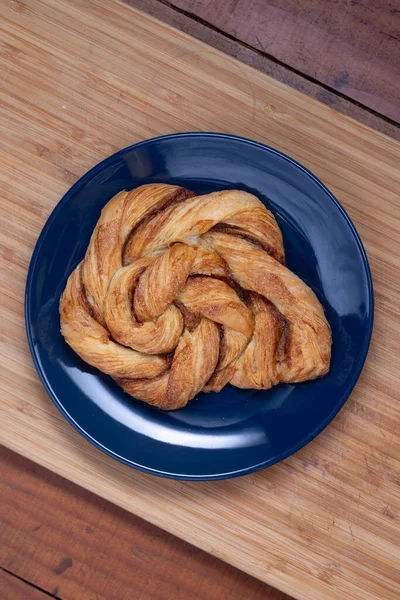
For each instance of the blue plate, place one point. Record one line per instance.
(236, 431)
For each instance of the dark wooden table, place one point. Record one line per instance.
(58, 540)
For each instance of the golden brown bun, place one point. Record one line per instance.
(181, 293)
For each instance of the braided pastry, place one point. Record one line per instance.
(180, 293)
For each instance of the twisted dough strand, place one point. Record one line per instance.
(180, 293)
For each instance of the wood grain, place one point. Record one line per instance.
(325, 522)
(13, 588)
(352, 47)
(74, 544)
(188, 23)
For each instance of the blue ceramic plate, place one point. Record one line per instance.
(236, 431)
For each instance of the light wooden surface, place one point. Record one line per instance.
(83, 78)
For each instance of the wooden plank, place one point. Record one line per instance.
(13, 588)
(255, 58)
(74, 544)
(352, 47)
(322, 524)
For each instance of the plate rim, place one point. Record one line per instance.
(184, 476)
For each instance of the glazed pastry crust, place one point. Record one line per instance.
(180, 293)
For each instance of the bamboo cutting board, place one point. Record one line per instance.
(81, 79)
